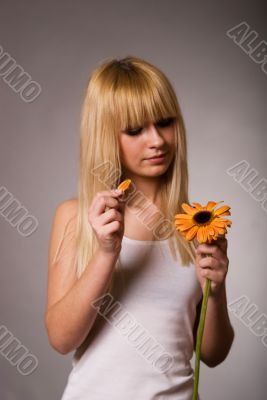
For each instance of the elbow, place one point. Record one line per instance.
(54, 338)
(58, 346)
(213, 362)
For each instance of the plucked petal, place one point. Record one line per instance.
(125, 184)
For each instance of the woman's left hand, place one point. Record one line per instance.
(215, 267)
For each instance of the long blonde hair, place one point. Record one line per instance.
(121, 93)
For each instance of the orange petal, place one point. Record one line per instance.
(212, 235)
(221, 210)
(225, 220)
(125, 184)
(219, 224)
(191, 233)
(198, 206)
(180, 222)
(189, 210)
(211, 238)
(225, 213)
(182, 216)
(205, 233)
(221, 231)
(184, 227)
(215, 231)
(200, 234)
(211, 230)
(210, 205)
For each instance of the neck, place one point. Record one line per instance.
(147, 189)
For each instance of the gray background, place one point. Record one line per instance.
(222, 93)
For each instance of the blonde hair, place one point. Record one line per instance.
(122, 93)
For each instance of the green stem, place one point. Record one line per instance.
(200, 335)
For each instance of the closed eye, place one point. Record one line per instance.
(133, 132)
(162, 123)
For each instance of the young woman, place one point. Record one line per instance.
(124, 287)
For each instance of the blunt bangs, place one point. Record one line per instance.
(135, 98)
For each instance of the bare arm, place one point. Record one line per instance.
(69, 315)
(69, 320)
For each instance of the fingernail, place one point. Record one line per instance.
(118, 191)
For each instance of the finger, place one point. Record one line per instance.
(208, 262)
(222, 244)
(203, 249)
(110, 216)
(215, 249)
(102, 202)
(214, 276)
(110, 228)
(106, 193)
(209, 251)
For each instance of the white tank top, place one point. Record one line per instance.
(141, 343)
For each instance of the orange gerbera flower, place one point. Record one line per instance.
(203, 222)
(206, 224)
(124, 185)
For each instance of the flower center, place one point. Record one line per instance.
(202, 217)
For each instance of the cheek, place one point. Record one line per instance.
(130, 151)
(131, 148)
(170, 137)
(170, 141)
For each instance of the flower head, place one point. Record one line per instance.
(203, 222)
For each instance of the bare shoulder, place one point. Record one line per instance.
(66, 208)
(62, 250)
(63, 222)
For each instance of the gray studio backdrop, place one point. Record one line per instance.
(220, 76)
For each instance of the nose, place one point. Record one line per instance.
(154, 135)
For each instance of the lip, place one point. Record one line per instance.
(157, 157)
(157, 160)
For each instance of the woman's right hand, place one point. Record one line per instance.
(106, 216)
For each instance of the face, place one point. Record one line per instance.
(140, 143)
